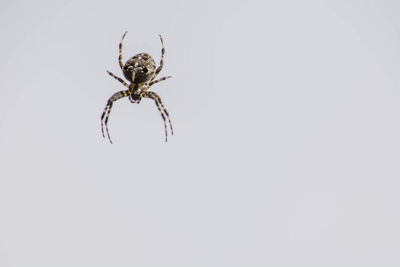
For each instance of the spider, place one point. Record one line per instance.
(140, 71)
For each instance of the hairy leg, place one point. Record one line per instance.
(161, 60)
(120, 52)
(159, 80)
(107, 110)
(118, 78)
(161, 108)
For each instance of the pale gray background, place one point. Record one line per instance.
(286, 153)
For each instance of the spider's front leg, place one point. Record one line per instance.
(161, 108)
(107, 110)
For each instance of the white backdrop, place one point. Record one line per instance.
(286, 145)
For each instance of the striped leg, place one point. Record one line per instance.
(107, 110)
(162, 110)
(120, 52)
(153, 96)
(165, 111)
(161, 60)
(118, 78)
(159, 80)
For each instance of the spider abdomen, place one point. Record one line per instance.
(140, 68)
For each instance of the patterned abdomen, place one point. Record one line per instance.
(140, 68)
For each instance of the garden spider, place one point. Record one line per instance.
(140, 71)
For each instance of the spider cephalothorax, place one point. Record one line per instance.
(140, 71)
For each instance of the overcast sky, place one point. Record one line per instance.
(287, 135)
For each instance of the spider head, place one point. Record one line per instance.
(136, 91)
(140, 68)
(136, 98)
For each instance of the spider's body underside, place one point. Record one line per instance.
(140, 71)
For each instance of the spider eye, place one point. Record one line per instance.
(145, 70)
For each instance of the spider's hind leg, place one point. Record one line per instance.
(161, 60)
(120, 52)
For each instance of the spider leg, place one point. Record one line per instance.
(161, 109)
(102, 118)
(120, 52)
(161, 60)
(152, 96)
(118, 78)
(159, 80)
(106, 121)
(165, 111)
(107, 110)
